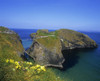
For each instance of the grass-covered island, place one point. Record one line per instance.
(47, 46)
(13, 67)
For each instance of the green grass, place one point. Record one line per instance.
(49, 75)
(8, 50)
(51, 43)
(74, 37)
(41, 33)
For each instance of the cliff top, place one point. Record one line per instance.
(71, 39)
(6, 30)
(10, 42)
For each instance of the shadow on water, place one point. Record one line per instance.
(72, 57)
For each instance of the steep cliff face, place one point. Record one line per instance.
(46, 52)
(47, 46)
(10, 43)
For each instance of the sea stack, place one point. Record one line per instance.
(47, 47)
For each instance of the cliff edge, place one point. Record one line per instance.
(10, 43)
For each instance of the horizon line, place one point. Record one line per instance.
(56, 29)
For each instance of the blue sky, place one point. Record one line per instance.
(81, 15)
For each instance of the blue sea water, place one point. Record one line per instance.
(25, 36)
(84, 65)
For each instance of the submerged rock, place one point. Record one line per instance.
(47, 47)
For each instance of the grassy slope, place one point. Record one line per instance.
(9, 46)
(69, 37)
(51, 42)
(74, 37)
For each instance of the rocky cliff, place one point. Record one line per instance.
(10, 43)
(71, 40)
(47, 46)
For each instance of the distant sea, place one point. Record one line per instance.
(84, 65)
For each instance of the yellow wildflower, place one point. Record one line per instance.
(38, 70)
(33, 67)
(26, 67)
(43, 68)
(30, 63)
(16, 67)
(7, 60)
(27, 62)
(19, 67)
(37, 65)
(11, 61)
(16, 63)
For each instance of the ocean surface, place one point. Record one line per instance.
(83, 65)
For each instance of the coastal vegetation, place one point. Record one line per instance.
(13, 67)
(10, 48)
(49, 42)
(46, 48)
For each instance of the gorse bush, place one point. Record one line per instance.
(26, 66)
(27, 71)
